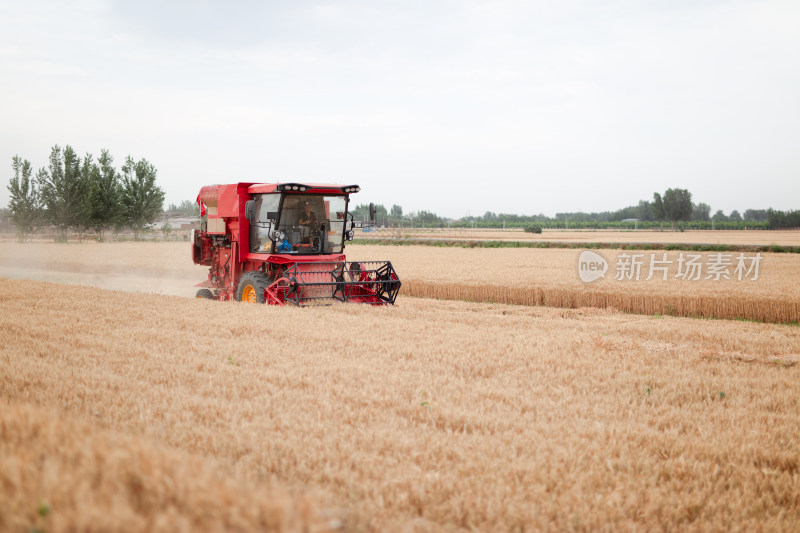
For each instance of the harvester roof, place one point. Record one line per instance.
(303, 187)
(210, 194)
(224, 196)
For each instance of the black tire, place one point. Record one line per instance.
(205, 293)
(252, 284)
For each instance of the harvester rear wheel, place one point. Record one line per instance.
(251, 287)
(205, 293)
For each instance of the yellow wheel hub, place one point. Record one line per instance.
(249, 294)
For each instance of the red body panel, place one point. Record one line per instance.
(228, 201)
(286, 259)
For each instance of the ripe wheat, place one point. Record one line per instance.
(145, 412)
(550, 277)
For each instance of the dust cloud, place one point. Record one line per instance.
(149, 267)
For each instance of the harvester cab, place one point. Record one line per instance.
(284, 243)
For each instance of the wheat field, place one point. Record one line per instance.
(145, 412)
(732, 237)
(531, 276)
(506, 275)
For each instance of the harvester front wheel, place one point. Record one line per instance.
(205, 293)
(252, 287)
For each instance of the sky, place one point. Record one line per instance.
(456, 107)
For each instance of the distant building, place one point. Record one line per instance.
(182, 223)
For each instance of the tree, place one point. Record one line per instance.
(88, 171)
(425, 219)
(381, 215)
(735, 216)
(186, 207)
(361, 211)
(644, 211)
(719, 216)
(783, 219)
(677, 206)
(63, 190)
(701, 212)
(397, 212)
(657, 208)
(141, 199)
(24, 203)
(104, 194)
(756, 215)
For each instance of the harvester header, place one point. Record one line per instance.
(281, 243)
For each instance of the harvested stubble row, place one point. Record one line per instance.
(725, 307)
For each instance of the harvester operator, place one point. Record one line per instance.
(308, 219)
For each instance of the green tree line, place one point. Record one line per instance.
(74, 193)
(673, 207)
(186, 207)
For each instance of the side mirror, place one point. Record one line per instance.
(250, 210)
(350, 235)
(373, 211)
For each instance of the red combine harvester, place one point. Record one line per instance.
(281, 243)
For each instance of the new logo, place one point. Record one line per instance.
(591, 266)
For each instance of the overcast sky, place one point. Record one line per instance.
(457, 107)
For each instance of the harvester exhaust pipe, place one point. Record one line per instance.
(373, 212)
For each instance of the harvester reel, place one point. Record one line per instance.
(355, 271)
(294, 287)
(389, 283)
(373, 282)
